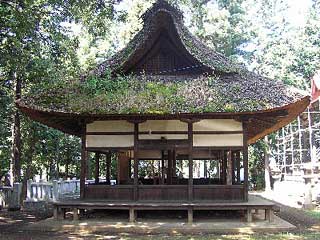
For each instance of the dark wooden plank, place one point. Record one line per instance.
(108, 166)
(83, 165)
(229, 167)
(190, 153)
(238, 166)
(169, 171)
(245, 158)
(97, 167)
(162, 167)
(136, 160)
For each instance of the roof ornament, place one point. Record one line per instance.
(162, 5)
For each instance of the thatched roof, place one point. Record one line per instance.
(166, 72)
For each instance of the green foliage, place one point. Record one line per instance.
(256, 165)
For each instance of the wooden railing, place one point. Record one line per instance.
(166, 192)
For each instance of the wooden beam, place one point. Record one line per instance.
(163, 133)
(190, 120)
(97, 167)
(136, 160)
(245, 159)
(83, 166)
(190, 153)
(163, 144)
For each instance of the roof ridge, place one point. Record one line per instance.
(162, 5)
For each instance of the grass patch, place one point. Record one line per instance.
(314, 213)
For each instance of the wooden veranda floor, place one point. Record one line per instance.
(254, 203)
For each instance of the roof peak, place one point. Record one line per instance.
(162, 5)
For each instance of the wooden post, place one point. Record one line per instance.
(238, 167)
(190, 154)
(88, 171)
(249, 215)
(229, 168)
(83, 165)
(136, 161)
(75, 214)
(245, 159)
(169, 172)
(174, 163)
(132, 215)
(108, 166)
(224, 167)
(269, 215)
(190, 215)
(162, 167)
(97, 168)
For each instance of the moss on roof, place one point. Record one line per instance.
(226, 88)
(162, 95)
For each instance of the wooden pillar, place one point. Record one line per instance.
(245, 159)
(169, 172)
(238, 166)
(224, 167)
(83, 166)
(132, 215)
(123, 167)
(190, 215)
(108, 167)
(249, 215)
(136, 161)
(190, 154)
(97, 168)
(174, 163)
(233, 160)
(75, 214)
(162, 167)
(229, 167)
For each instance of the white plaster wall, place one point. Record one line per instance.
(163, 125)
(109, 141)
(110, 126)
(217, 125)
(217, 140)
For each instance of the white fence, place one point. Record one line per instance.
(10, 196)
(55, 190)
(52, 191)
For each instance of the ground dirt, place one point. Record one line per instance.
(13, 226)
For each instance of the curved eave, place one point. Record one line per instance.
(260, 123)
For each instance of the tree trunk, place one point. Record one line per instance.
(29, 156)
(16, 136)
(267, 174)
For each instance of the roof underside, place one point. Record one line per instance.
(167, 73)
